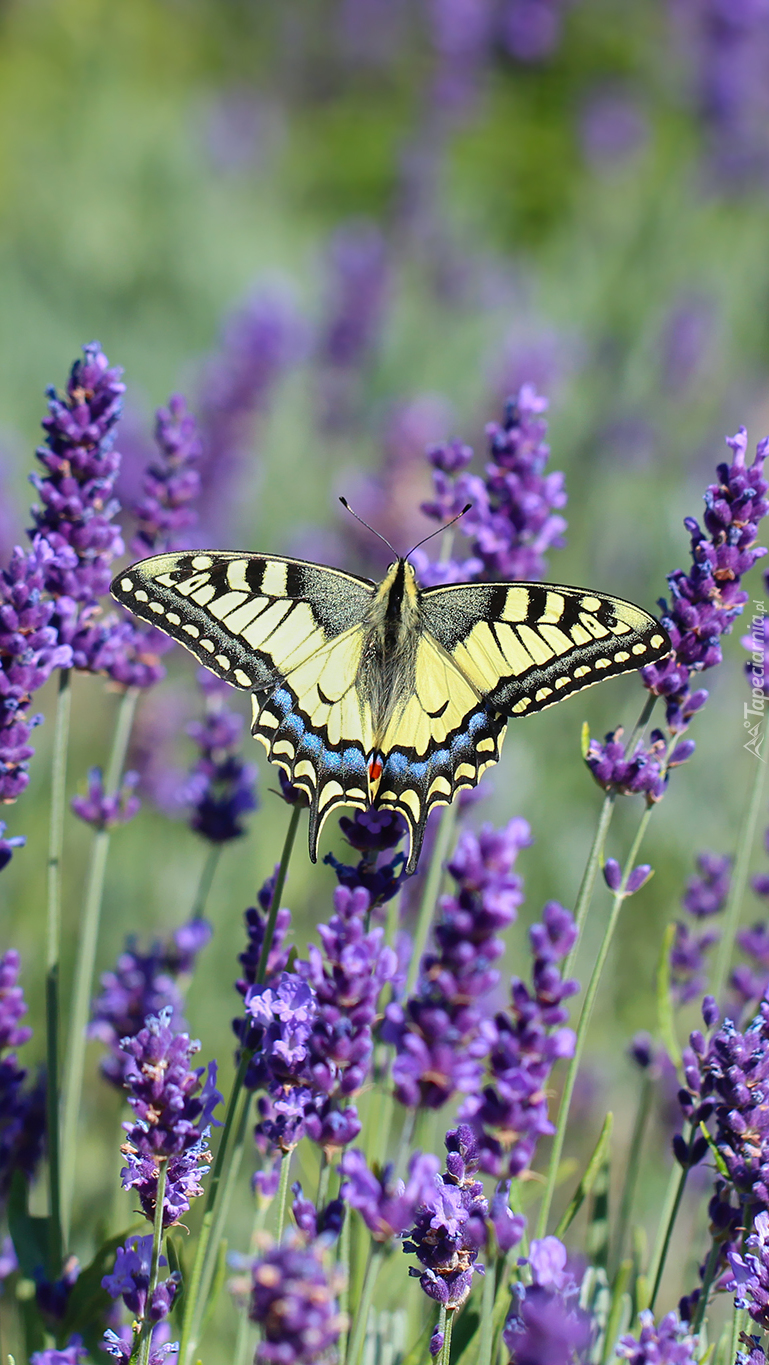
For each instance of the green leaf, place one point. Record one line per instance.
(88, 1302)
(665, 1018)
(29, 1235)
(463, 1339)
(176, 1264)
(721, 1165)
(588, 1180)
(220, 1274)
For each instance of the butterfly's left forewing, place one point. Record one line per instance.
(289, 632)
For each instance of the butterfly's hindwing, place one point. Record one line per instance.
(318, 728)
(527, 645)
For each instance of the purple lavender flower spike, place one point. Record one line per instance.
(372, 832)
(387, 1206)
(72, 1354)
(220, 788)
(347, 985)
(139, 985)
(442, 1033)
(753, 1352)
(510, 1113)
(531, 29)
(102, 810)
(515, 518)
(120, 1344)
(30, 649)
(172, 1107)
(705, 602)
(294, 1301)
(450, 1225)
(612, 874)
(706, 893)
(170, 485)
(325, 1223)
(666, 1344)
(751, 1272)
(644, 772)
(130, 1280)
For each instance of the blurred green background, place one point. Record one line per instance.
(566, 214)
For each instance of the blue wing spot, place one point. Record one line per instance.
(312, 743)
(331, 760)
(397, 764)
(282, 700)
(294, 724)
(476, 721)
(354, 762)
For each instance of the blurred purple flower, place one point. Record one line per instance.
(531, 29)
(372, 832)
(7, 846)
(706, 601)
(143, 984)
(706, 893)
(357, 294)
(510, 1113)
(646, 771)
(72, 1354)
(22, 1107)
(546, 1326)
(613, 128)
(259, 342)
(220, 788)
(442, 1032)
(751, 1272)
(102, 810)
(387, 1206)
(173, 1107)
(667, 1344)
(294, 1302)
(687, 336)
(120, 1344)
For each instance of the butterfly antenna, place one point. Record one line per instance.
(458, 517)
(384, 539)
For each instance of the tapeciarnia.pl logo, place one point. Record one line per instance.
(753, 711)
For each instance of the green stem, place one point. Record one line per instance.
(84, 968)
(285, 1168)
(448, 820)
(707, 1281)
(344, 1293)
(358, 1339)
(53, 941)
(619, 1288)
(218, 1194)
(145, 1338)
(585, 893)
(447, 1331)
(739, 879)
(656, 1270)
(632, 1166)
(582, 1027)
(280, 882)
(206, 879)
(486, 1328)
(324, 1175)
(738, 1326)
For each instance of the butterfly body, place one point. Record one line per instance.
(390, 695)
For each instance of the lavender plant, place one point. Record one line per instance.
(395, 1034)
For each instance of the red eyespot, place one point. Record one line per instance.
(375, 769)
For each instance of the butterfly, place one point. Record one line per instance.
(388, 695)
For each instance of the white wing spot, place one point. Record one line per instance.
(202, 562)
(581, 671)
(192, 630)
(521, 705)
(242, 677)
(621, 656)
(208, 645)
(602, 663)
(127, 584)
(657, 641)
(590, 603)
(640, 648)
(157, 607)
(141, 595)
(561, 682)
(223, 661)
(173, 618)
(543, 692)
